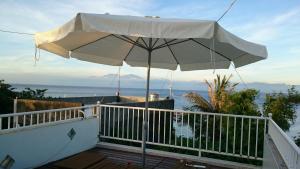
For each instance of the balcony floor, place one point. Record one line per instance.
(99, 158)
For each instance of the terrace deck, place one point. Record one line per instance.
(99, 158)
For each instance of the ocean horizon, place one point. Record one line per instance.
(178, 96)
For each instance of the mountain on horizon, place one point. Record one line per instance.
(135, 81)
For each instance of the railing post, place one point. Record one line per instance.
(98, 112)
(15, 111)
(270, 115)
(269, 118)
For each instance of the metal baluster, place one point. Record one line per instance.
(194, 133)
(109, 121)
(118, 135)
(99, 114)
(170, 128)
(175, 128)
(187, 138)
(123, 122)
(249, 137)
(24, 120)
(114, 121)
(165, 126)
(234, 129)
(132, 129)
(214, 125)
(17, 122)
(8, 123)
(65, 114)
(200, 136)
(158, 127)
(153, 126)
(227, 134)
(104, 120)
(220, 136)
(256, 138)
(242, 128)
(30, 119)
(181, 129)
(138, 123)
(148, 127)
(127, 123)
(37, 118)
(206, 139)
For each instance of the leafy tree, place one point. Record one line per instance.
(6, 97)
(297, 140)
(282, 109)
(293, 95)
(243, 103)
(218, 93)
(32, 94)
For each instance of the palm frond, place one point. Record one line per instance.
(198, 101)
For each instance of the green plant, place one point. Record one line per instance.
(218, 92)
(282, 109)
(32, 94)
(243, 103)
(297, 140)
(293, 95)
(6, 97)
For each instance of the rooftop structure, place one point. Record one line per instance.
(44, 138)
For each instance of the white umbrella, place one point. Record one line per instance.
(149, 42)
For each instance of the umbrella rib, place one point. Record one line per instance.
(155, 42)
(132, 42)
(171, 52)
(161, 45)
(130, 50)
(91, 42)
(145, 43)
(212, 50)
(164, 45)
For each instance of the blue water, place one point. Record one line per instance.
(178, 95)
(75, 91)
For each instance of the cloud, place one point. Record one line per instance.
(266, 29)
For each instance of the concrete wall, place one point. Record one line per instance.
(125, 101)
(89, 100)
(272, 159)
(37, 146)
(161, 104)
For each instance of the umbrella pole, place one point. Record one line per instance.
(145, 122)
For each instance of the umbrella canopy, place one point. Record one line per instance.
(112, 39)
(149, 42)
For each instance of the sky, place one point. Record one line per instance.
(273, 23)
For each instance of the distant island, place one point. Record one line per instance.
(134, 81)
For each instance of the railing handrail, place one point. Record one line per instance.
(286, 137)
(210, 131)
(184, 111)
(43, 111)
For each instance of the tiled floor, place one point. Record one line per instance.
(99, 158)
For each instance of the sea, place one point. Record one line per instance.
(177, 95)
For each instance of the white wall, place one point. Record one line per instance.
(37, 146)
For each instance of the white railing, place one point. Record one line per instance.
(204, 133)
(15, 121)
(288, 150)
(207, 134)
